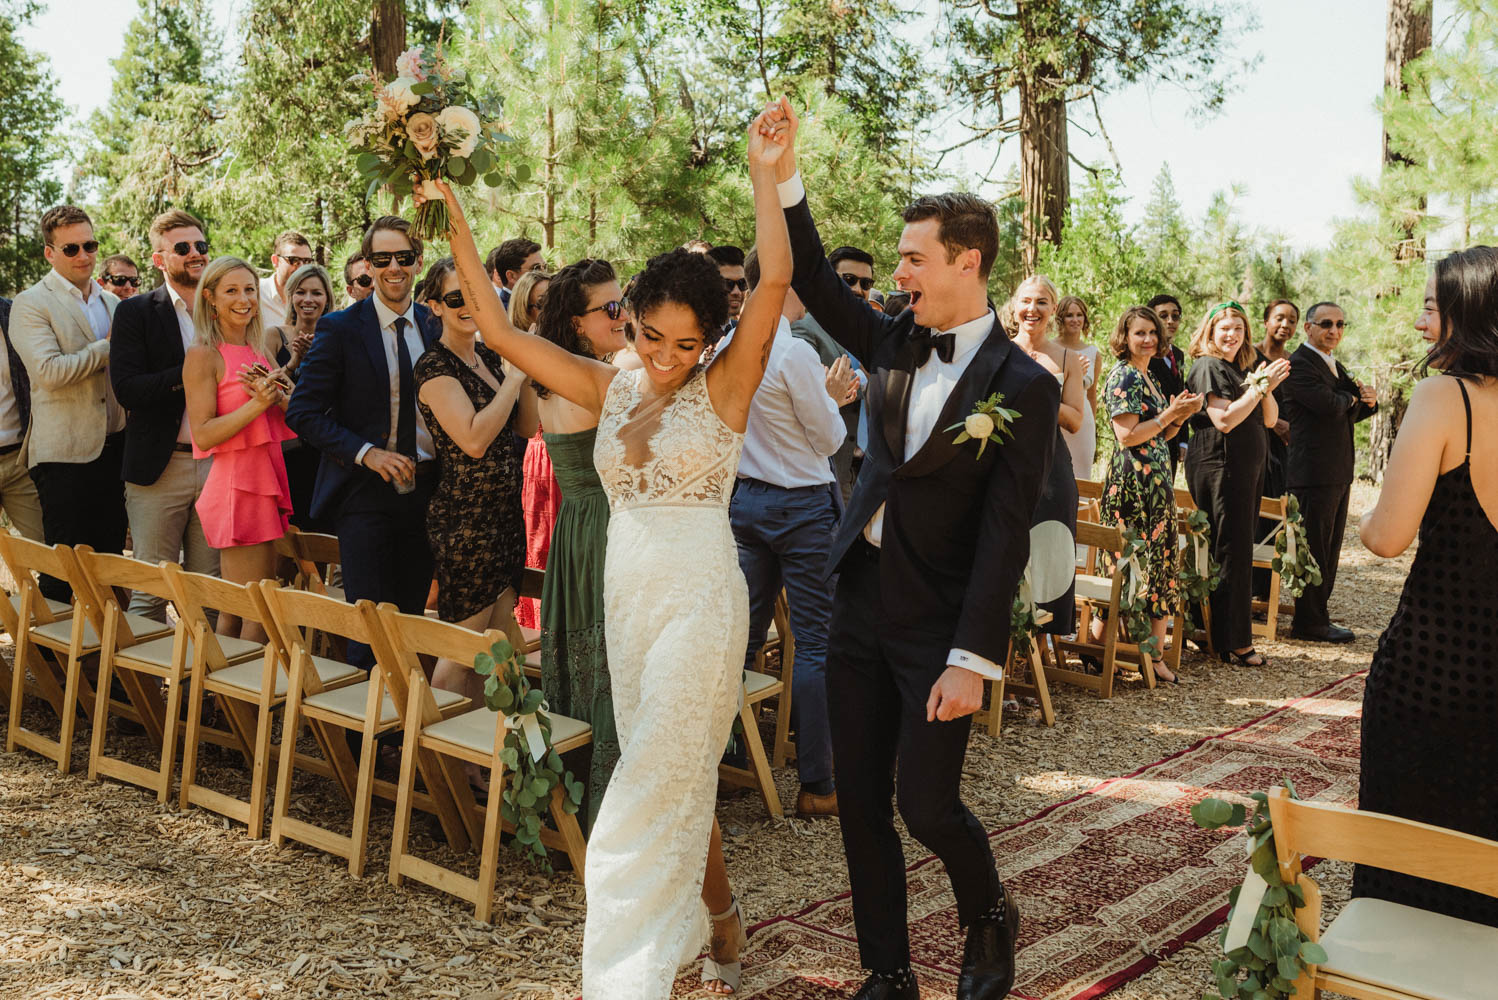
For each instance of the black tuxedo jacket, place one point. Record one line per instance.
(20, 381)
(1321, 409)
(956, 534)
(342, 400)
(145, 367)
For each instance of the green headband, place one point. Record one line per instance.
(1229, 304)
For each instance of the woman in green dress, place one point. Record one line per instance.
(584, 313)
(1137, 493)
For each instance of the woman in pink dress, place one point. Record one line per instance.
(236, 400)
(539, 495)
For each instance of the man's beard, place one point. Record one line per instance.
(182, 278)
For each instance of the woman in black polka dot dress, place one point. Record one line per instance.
(1430, 712)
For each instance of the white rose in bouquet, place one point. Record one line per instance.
(978, 426)
(397, 95)
(455, 118)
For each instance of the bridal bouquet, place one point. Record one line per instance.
(427, 124)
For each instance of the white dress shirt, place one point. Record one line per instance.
(94, 309)
(1331, 362)
(189, 334)
(424, 450)
(794, 426)
(930, 386)
(272, 306)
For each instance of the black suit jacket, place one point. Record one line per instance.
(145, 367)
(20, 381)
(1321, 409)
(342, 400)
(956, 534)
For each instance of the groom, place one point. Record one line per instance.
(930, 554)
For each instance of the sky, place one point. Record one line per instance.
(1293, 136)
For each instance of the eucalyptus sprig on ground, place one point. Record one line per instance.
(533, 769)
(1277, 951)
(1292, 555)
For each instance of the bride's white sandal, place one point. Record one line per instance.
(728, 973)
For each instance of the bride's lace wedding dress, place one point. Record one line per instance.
(677, 622)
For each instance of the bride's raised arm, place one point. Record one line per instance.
(579, 380)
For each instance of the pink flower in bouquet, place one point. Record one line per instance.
(409, 64)
(422, 130)
(396, 97)
(454, 119)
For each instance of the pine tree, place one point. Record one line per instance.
(29, 114)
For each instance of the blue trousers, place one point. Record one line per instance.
(783, 537)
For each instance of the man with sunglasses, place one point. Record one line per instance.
(290, 251)
(730, 261)
(1322, 402)
(856, 268)
(162, 478)
(358, 278)
(355, 402)
(60, 329)
(120, 276)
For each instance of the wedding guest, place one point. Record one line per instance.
(355, 402)
(895, 303)
(856, 267)
(508, 261)
(1053, 549)
(60, 330)
(163, 478)
(784, 513)
(807, 329)
(1322, 403)
(120, 275)
(1136, 491)
(539, 494)
(730, 261)
(236, 400)
(358, 278)
(309, 297)
(1429, 743)
(1169, 369)
(1225, 466)
(17, 491)
(1280, 319)
(1073, 328)
(290, 251)
(467, 396)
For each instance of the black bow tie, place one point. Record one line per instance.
(923, 340)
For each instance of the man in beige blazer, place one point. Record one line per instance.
(60, 329)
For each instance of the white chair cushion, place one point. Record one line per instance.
(59, 609)
(246, 676)
(62, 632)
(755, 683)
(1263, 553)
(350, 701)
(158, 652)
(531, 637)
(1411, 950)
(475, 730)
(1094, 588)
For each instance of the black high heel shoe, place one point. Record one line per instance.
(1244, 659)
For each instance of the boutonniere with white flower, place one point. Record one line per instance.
(989, 421)
(1258, 379)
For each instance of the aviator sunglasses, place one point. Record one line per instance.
(1329, 324)
(71, 249)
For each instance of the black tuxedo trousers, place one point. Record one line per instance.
(878, 681)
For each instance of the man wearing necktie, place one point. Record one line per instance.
(929, 556)
(355, 402)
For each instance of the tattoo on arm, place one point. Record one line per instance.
(764, 354)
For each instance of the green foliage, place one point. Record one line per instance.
(1277, 951)
(1195, 586)
(29, 114)
(1293, 560)
(1134, 602)
(528, 783)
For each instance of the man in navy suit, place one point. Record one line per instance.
(355, 402)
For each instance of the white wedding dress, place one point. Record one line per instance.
(677, 624)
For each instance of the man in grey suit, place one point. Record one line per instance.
(60, 329)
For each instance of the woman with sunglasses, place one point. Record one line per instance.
(677, 606)
(467, 395)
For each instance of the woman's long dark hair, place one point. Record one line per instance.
(1467, 296)
(566, 300)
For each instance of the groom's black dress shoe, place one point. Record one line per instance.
(880, 988)
(1332, 633)
(988, 959)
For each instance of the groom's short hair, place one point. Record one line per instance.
(964, 222)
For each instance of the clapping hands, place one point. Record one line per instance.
(1278, 372)
(272, 388)
(1182, 405)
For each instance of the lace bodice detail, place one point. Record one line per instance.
(664, 449)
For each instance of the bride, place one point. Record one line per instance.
(676, 605)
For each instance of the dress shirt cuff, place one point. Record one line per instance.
(984, 668)
(359, 457)
(792, 192)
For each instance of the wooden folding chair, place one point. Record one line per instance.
(367, 707)
(477, 737)
(249, 681)
(77, 636)
(1089, 501)
(1377, 949)
(1024, 674)
(1273, 508)
(42, 682)
(756, 688)
(780, 637)
(1097, 593)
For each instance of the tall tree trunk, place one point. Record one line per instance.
(387, 36)
(1044, 177)
(1406, 37)
(549, 208)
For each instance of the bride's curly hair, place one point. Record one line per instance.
(688, 279)
(566, 301)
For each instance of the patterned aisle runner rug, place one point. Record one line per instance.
(1108, 882)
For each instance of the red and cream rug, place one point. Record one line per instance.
(1108, 882)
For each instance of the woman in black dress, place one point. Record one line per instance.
(467, 396)
(1225, 466)
(1430, 710)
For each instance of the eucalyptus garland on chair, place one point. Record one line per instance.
(1265, 952)
(1022, 625)
(1292, 555)
(533, 769)
(1198, 574)
(1134, 596)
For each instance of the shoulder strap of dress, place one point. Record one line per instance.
(1466, 405)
